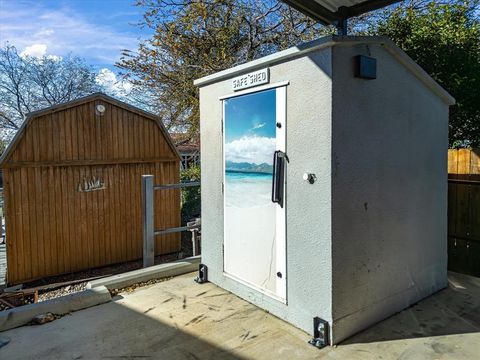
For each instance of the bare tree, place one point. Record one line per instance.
(28, 84)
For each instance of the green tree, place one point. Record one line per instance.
(192, 39)
(190, 195)
(444, 39)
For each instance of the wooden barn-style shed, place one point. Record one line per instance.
(72, 187)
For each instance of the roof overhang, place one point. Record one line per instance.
(334, 11)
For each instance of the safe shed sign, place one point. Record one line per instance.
(252, 79)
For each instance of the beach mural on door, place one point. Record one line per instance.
(250, 142)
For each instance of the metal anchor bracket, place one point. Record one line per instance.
(320, 333)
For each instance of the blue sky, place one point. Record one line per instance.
(250, 128)
(96, 30)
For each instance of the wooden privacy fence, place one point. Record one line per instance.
(464, 211)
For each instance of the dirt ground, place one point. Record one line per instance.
(179, 319)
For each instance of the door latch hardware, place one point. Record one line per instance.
(310, 178)
(278, 178)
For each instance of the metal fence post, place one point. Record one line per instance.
(147, 217)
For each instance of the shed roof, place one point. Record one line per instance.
(332, 11)
(329, 41)
(96, 96)
(186, 144)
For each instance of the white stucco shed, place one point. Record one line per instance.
(324, 182)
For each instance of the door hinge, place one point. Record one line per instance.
(223, 187)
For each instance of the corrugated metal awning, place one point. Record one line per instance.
(335, 11)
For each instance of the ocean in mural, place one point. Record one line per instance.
(246, 190)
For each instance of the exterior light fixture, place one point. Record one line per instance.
(100, 109)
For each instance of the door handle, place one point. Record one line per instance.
(278, 178)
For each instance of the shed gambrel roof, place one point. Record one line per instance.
(81, 101)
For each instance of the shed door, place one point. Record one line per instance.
(254, 167)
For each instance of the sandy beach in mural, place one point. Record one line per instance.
(251, 215)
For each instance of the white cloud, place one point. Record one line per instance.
(39, 51)
(251, 149)
(35, 50)
(42, 33)
(108, 79)
(54, 57)
(258, 126)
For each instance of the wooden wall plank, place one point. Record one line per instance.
(72, 219)
(64, 227)
(463, 161)
(34, 236)
(122, 211)
(452, 161)
(8, 195)
(475, 162)
(93, 131)
(58, 221)
(27, 246)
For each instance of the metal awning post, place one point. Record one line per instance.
(147, 217)
(342, 22)
(342, 27)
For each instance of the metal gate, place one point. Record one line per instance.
(149, 231)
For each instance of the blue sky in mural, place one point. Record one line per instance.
(250, 128)
(251, 115)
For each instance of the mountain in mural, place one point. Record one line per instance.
(249, 167)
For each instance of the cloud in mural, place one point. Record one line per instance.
(258, 126)
(251, 149)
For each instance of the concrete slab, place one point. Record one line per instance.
(22, 315)
(179, 319)
(153, 272)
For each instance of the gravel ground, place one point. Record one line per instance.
(93, 273)
(66, 290)
(103, 271)
(133, 287)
